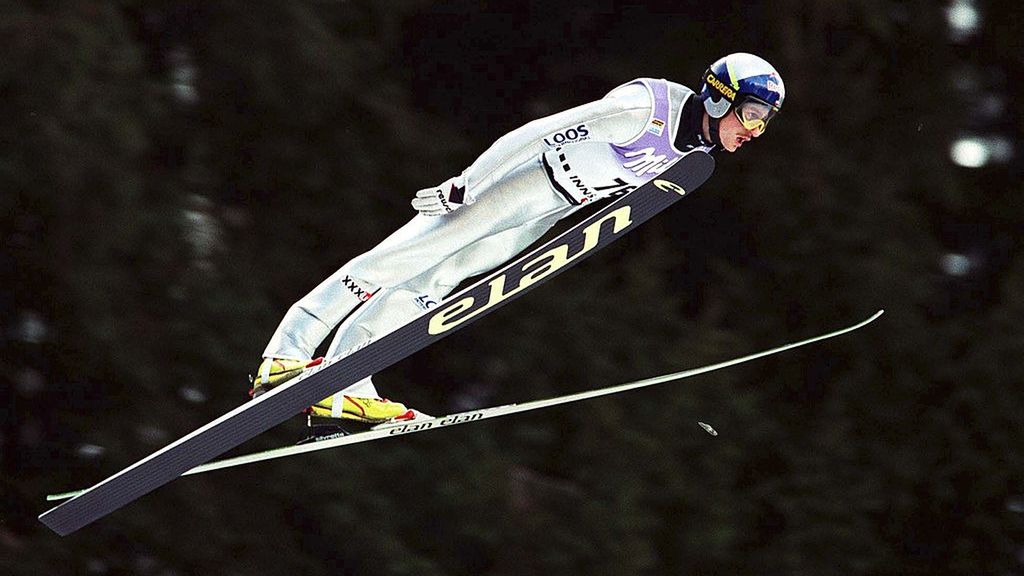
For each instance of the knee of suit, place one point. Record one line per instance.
(357, 281)
(375, 275)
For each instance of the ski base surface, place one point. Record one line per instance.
(422, 425)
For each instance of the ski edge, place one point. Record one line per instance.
(400, 429)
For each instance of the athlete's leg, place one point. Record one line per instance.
(413, 250)
(394, 307)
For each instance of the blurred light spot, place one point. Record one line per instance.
(32, 328)
(183, 75)
(89, 451)
(151, 434)
(970, 153)
(978, 151)
(956, 264)
(201, 229)
(963, 18)
(1015, 504)
(193, 395)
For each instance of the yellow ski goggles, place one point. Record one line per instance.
(754, 114)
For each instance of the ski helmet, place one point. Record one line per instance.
(736, 79)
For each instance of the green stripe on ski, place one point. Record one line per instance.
(399, 429)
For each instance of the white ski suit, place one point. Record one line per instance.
(514, 192)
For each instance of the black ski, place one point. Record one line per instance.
(500, 287)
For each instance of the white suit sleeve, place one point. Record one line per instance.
(617, 118)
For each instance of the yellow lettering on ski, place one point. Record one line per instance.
(535, 270)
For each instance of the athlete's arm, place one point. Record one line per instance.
(617, 118)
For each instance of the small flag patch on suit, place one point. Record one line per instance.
(657, 126)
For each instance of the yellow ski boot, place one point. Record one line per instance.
(273, 372)
(368, 410)
(341, 415)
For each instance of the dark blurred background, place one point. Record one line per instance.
(173, 175)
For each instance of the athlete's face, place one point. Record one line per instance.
(732, 133)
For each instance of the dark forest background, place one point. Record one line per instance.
(173, 175)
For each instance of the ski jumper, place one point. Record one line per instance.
(515, 192)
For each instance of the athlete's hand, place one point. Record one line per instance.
(440, 200)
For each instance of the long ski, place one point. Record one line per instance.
(500, 287)
(421, 425)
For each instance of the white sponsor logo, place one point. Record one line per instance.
(568, 136)
(646, 162)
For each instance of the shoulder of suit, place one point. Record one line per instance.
(630, 95)
(677, 91)
(634, 94)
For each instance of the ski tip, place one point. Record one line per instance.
(63, 496)
(864, 323)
